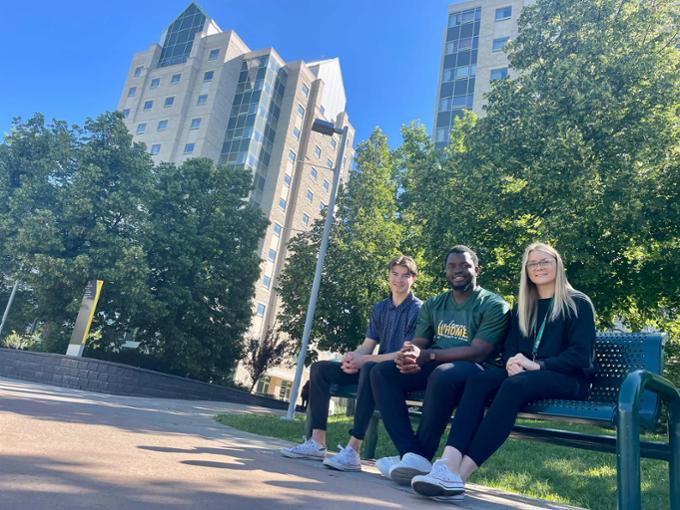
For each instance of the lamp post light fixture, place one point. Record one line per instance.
(329, 129)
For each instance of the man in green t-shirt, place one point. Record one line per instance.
(456, 332)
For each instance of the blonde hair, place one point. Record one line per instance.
(563, 300)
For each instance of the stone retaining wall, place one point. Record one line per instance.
(107, 377)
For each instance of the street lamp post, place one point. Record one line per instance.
(329, 129)
(9, 305)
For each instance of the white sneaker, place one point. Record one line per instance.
(347, 460)
(384, 464)
(310, 449)
(411, 464)
(440, 483)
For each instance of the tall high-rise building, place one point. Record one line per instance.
(472, 57)
(202, 92)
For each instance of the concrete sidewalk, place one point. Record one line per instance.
(67, 449)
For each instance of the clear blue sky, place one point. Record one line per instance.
(69, 59)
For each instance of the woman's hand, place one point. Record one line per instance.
(520, 363)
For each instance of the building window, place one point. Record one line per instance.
(266, 281)
(285, 389)
(155, 149)
(301, 110)
(260, 310)
(317, 151)
(175, 78)
(148, 105)
(202, 99)
(263, 385)
(208, 75)
(138, 71)
(132, 92)
(305, 219)
(271, 255)
(141, 128)
(310, 196)
(196, 123)
(179, 37)
(189, 148)
(442, 135)
(286, 179)
(321, 206)
(503, 13)
(305, 90)
(498, 74)
(155, 83)
(326, 185)
(445, 104)
(169, 101)
(162, 125)
(291, 155)
(277, 229)
(282, 204)
(498, 44)
(329, 163)
(314, 173)
(322, 110)
(296, 133)
(126, 113)
(459, 18)
(214, 54)
(333, 143)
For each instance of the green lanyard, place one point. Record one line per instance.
(538, 336)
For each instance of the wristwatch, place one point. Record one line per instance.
(433, 355)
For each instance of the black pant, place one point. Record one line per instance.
(325, 373)
(444, 385)
(478, 435)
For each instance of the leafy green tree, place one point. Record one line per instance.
(78, 222)
(175, 246)
(366, 234)
(580, 150)
(200, 243)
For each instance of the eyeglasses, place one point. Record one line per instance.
(532, 266)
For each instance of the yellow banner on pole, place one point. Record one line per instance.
(87, 308)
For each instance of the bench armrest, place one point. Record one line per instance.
(628, 435)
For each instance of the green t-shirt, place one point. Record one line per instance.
(483, 315)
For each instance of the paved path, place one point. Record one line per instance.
(67, 449)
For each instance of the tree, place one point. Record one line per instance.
(175, 246)
(200, 243)
(73, 216)
(366, 234)
(580, 150)
(261, 354)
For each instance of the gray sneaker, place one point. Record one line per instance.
(347, 460)
(411, 464)
(310, 449)
(384, 464)
(440, 483)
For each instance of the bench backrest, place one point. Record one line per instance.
(618, 354)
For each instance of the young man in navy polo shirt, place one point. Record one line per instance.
(392, 323)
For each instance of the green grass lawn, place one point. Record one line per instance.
(564, 475)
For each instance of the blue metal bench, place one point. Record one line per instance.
(627, 394)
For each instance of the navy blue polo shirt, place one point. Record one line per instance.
(391, 325)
